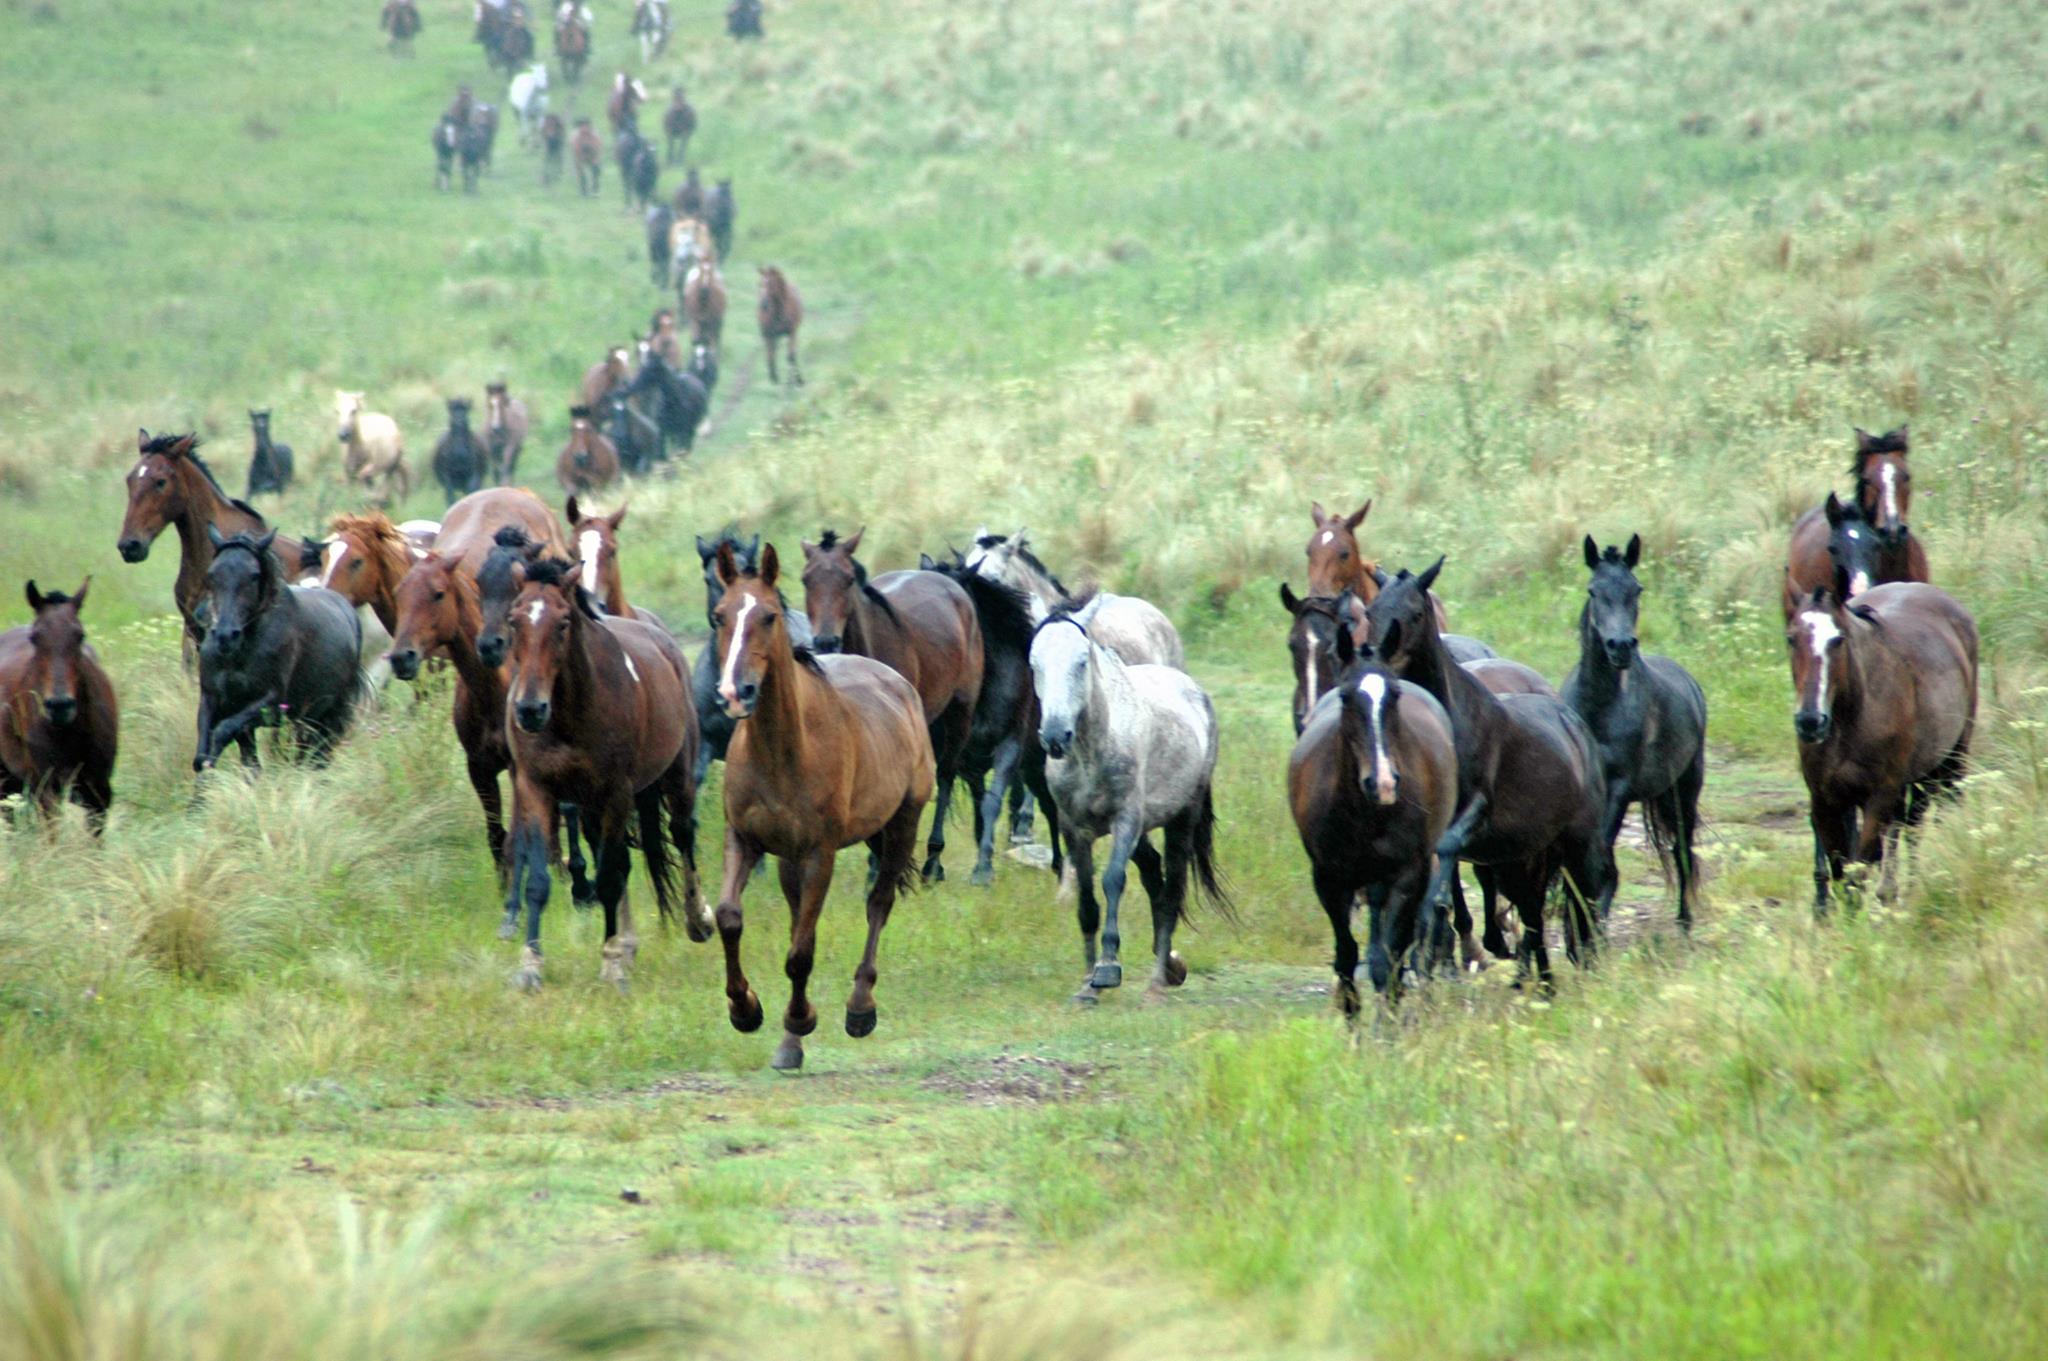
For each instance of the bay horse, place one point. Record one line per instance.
(270, 464)
(1337, 564)
(920, 624)
(780, 312)
(587, 150)
(614, 370)
(596, 539)
(1133, 628)
(678, 126)
(506, 423)
(1647, 715)
(588, 462)
(719, 211)
(274, 653)
(460, 459)
(554, 137)
(704, 304)
(364, 559)
(1129, 749)
(713, 723)
(572, 46)
(599, 718)
(371, 445)
(1313, 647)
(828, 752)
(172, 486)
(1887, 704)
(1372, 784)
(664, 339)
(400, 19)
(60, 725)
(1879, 510)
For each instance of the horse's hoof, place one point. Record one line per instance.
(527, 979)
(861, 1024)
(1106, 976)
(507, 929)
(983, 876)
(1176, 969)
(1020, 834)
(789, 1055)
(1497, 946)
(746, 1016)
(698, 931)
(583, 901)
(1087, 996)
(934, 872)
(1155, 994)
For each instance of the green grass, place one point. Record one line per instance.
(1146, 278)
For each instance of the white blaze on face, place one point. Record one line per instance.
(1889, 476)
(533, 612)
(589, 544)
(1820, 631)
(1374, 688)
(728, 688)
(336, 551)
(1859, 580)
(140, 469)
(1328, 536)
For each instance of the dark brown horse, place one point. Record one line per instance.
(829, 751)
(703, 297)
(600, 717)
(678, 125)
(588, 462)
(400, 19)
(922, 625)
(554, 139)
(1887, 691)
(60, 725)
(506, 423)
(586, 148)
(169, 486)
(572, 47)
(780, 312)
(1878, 517)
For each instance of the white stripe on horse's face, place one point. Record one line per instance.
(1374, 688)
(533, 612)
(1820, 633)
(590, 544)
(1889, 476)
(140, 469)
(728, 689)
(1328, 537)
(336, 551)
(1859, 582)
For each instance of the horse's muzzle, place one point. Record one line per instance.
(1056, 741)
(221, 642)
(1621, 652)
(490, 650)
(134, 550)
(740, 700)
(825, 642)
(1812, 726)
(61, 710)
(532, 714)
(405, 663)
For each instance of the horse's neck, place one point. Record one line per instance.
(868, 627)
(615, 595)
(205, 508)
(790, 696)
(1042, 594)
(1600, 684)
(1109, 685)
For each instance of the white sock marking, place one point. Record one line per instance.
(589, 544)
(732, 650)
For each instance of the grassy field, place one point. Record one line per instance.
(1147, 278)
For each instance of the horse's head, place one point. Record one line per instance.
(241, 584)
(436, 606)
(746, 554)
(156, 493)
(832, 581)
(1612, 599)
(1061, 652)
(259, 423)
(543, 624)
(347, 407)
(1817, 638)
(748, 628)
(597, 549)
(56, 642)
(1854, 546)
(498, 583)
(1371, 727)
(1334, 560)
(1884, 482)
(366, 556)
(1322, 643)
(1401, 620)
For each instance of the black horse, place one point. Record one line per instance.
(270, 466)
(743, 18)
(719, 211)
(676, 403)
(639, 167)
(460, 459)
(1647, 714)
(474, 146)
(273, 653)
(660, 219)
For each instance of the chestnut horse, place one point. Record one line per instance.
(1337, 564)
(60, 725)
(613, 371)
(704, 304)
(600, 718)
(921, 624)
(587, 149)
(1887, 692)
(364, 560)
(171, 485)
(780, 312)
(596, 538)
(588, 462)
(828, 751)
(1884, 500)
(506, 423)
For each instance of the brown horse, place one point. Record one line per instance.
(664, 339)
(1337, 564)
(1884, 500)
(471, 524)
(828, 751)
(364, 560)
(622, 105)
(596, 540)
(920, 624)
(506, 423)
(588, 462)
(678, 125)
(572, 47)
(704, 305)
(614, 370)
(171, 485)
(1887, 691)
(60, 726)
(780, 312)
(554, 139)
(400, 19)
(586, 148)
(600, 717)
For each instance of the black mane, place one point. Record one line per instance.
(550, 572)
(1890, 442)
(1023, 551)
(511, 536)
(167, 445)
(1005, 612)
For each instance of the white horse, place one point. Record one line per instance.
(528, 96)
(1128, 749)
(371, 446)
(1136, 630)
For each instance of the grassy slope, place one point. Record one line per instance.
(1147, 283)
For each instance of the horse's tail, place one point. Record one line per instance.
(1209, 878)
(654, 849)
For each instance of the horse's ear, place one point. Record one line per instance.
(141, 440)
(1289, 599)
(616, 518)
(1592, 553)
(1634, 553)
(1864, 442)
(35, 597)
(78, 596)
(728, 569)
(810, 550)
(186, 445)
(927, 563)
(1347, 649)
(1904, 436)
(1428, 579)
(213, 535)
(852, 541)
(263, 544)
(1315, 512)
(1357, 517)
(573, 511)
(704, 550)
(1834, 509)
(771, 566)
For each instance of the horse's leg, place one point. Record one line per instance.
(1123, 839)
(1620, 794)
(896, 850)
(580, 891)
(1524, 887)
(679, 789)
(1876, 838)
(1830, 850)
(951, 731)
(483, 778)
(1020, 814)
(614, 863)
(741, 1004)
(1683, 810)
(773, 377)
(1081, 855)
(1166, 884)
(202, 751)
(796, 370)
(1337, 894)
(539, 819)
(805, 882)
(1381, 965)
(1586, 874)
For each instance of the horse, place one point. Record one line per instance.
(588, 462)
(60, 725)
(1860, 556)
(633, 434)
(1887, 704)
(553, 138)
(505, 425)
(1337, 564)
(1647, 715)
(588, 152)
(678, 125)
(460, 458)
(502, 30)
(371, 446)
(1531, 794)
(713, 723)
(274, 653)
(572, 46)
(664, 339)
(1373, 784)
(1136, 630)
(170, 485)
(527, 97)
(828, 751)
(622, 105)
(270, 464)
(400, 19)
(485, 124)
(600, 378)
(1880, 510)
(719, 212)
(921, 624)
(743, 19)
(638, 168)
(1128, 749)
(596, 538)
(364, 561)
(650, 26)
(689, 243)
(676, 402)
(704, 303)
(1313, 646)
(780, 312)
(689, 199)
(659, 221)
(447, 144)
(469, 529)
(598, 719)
(472, 145)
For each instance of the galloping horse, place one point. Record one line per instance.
(527, 97)
(678, 125)
(1136, 630)
(460, 459)
(780, 312)
(704, 304)
(365, 560)
(1884, 499)
(614, 370)
(829, 751)
(505, 425)
(553, 138)
(597, 562)
(1887, 691)
(922, 625)
(675, 404)
(622, 105)
(469, 528)
(719, 212)
(371, 446)
(650, 26)
(587, 148)
(713, 723)
(270, 464)
(572, 46)
(60, 726)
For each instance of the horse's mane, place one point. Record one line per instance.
(1610, 556)
(1890, 442)
(381, 536)
(1004, 611)
(550, 572)
(511, 536)
(1022, 550)
(828, 540)
(55, 598)
(807, 659)
(168, 446)
(1067, 609)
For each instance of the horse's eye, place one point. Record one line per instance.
(440, 596)
(162, 482)
(767, 619)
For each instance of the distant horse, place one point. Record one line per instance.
(638, 168)
(527, 97)
(60, 725)
(719, 212)
(689, 243)
(704, 304)
(678, 125)
(270, 465)
(829, 752)
(172, 486)
(1859, 554)
(1337, 564)
(1136, 630)
(371, 447)
(658, 222)
(1880, 511)
(1373, 783)
(460, 458)
(553, 138)
(664, 339)
(922, 624)
(675, 402)
(599, 719)
(447, 144)
(689, 200)
(274, 653)
(613, 371)
(703, 367)
(1887, 692)
(743, 18)
(572, 47)
(650, 26)
(713, 723)
(501, 30)
(505, 425)
(780, 312)
(588, 150)
(622, 105)
(596, 539)
(400, 19)
(1128, 749)
(485, 123)
(365, 560)
(634, 434)
(588, 462)
(1647, 715)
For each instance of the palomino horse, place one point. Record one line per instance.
(1136, 630)
(1128, 749)
(704, 303)
(171, 485)
(460, 459)
(599, 719)
(371, 446)
(780, 312)
(505, 425)
(596, 538)
(588, 462)
(400, 19)
(921, 624)
(1337, 564)
(678, 125)
(1647, 715)
(1884, 500)
(1373, 783)
(689, 241)
(713, 723)
(615, 370)
(829, 751)
(60, 726)
(270, 464)
(586, 148)
(1887, 691)
(273, 653)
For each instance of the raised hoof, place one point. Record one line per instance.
(1497, 946)
(983, 876)
(1176, 969)
(1106, 976)
(861, 1024)
(746, 1016)
(789, 1055)
(1087, 996)
(697, 931)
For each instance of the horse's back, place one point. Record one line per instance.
(1462, 649)
(1504, 677)
(1138, 632)
(888, 717)
(468, 529)
(1181, 738)
(325, 684)
(938, 614)
(1936, 636)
